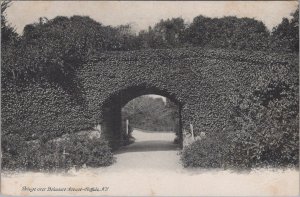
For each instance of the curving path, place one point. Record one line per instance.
(154, 150)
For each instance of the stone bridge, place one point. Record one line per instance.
(203, 83)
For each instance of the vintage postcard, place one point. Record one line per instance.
(149, 98)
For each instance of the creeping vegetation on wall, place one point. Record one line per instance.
(205, 83)
(41, 111)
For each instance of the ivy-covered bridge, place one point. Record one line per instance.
(205, 85)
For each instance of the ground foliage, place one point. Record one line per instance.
(54, 155)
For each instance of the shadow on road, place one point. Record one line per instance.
(151, 145)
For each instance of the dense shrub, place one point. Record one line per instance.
(265, 131)
(55, 155)
(267, 128)
(93, 152)
(11, 146)
(204, 153)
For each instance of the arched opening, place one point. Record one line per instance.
(150, 123)
(114, 124)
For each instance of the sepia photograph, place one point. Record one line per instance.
(149, 98)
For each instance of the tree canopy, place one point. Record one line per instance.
(285, 36)
(54, 49)
(152, 114)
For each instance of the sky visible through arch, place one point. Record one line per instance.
(143, 14)
(157, 96)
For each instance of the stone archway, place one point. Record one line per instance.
(204, 82)
(112, 120)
